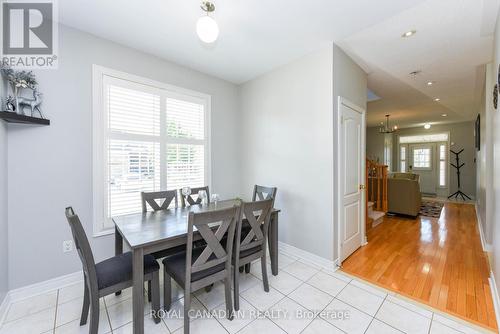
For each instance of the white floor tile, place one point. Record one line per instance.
(337, 274)
(262, 326)
(327, 283)
(150, 327)
(246, 314)
(370, 288)
(285, 260)
(214, 298)
(356, 322)
(75, 328)
(31, 305)
(411, 306)
(459, 326)
(175, 317)
(320, 326)
(256, 269)
(284, 282)
(70, 292)
(290, 316)
(203, 326)
(439, 328)
(300, 270)
(36, 323)
(246, 281)
(310, 297)
(72, 311)
(112, 299)
(361, 299)
(120, 314)
(403, 319)
(260, 299)
(378, 327)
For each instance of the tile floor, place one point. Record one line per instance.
(303, 299)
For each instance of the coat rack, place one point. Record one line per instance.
(457, 167)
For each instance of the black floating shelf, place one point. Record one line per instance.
(12, 117)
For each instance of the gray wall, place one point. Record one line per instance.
(374, 145)
(349, 82)
(461, 136)
(4, 286)
(51, 167)
(287, 142)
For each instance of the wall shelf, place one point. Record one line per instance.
(12, 117)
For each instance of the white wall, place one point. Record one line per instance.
(288, 142)
(3, 212)
(51, 167)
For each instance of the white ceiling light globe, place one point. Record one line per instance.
(207, 29)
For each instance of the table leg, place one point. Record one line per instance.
(118, 249)
(273, 243)
(138, 291)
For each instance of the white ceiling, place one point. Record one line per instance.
(454, 40)
(255, 35)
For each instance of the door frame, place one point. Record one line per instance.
(339, 175)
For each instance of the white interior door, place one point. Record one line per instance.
(424, 164)
(351, 179)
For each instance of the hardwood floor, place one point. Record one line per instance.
(439, 262)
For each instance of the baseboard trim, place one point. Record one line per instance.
(45, 286)
(4, 307)
(307, 256)
(495, 296)
(486, 247)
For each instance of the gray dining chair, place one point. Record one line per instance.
(251, 240)
(203, 266)
(263, 192)
(150, 198)
(109, 276)
(189, 200)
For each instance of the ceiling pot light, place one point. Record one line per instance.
(430, 83)
(437, 99)
(444, 115)
(427, 126)
(409, 33)
(206, 27)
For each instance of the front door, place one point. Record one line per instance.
(351, 179)
(423, 163)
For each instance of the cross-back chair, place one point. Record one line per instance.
(150, 198)
(109, 276)
(189, 200)
(262, 192)
(200, 267)
(251, 239)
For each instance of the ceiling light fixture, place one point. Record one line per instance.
(444, 115)
(385, 128)
(409, 33)
(206, 27)
(437, 99)
(427, 126)
(430, 83)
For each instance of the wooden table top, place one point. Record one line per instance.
(144, 229)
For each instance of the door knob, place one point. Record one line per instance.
(362, 186)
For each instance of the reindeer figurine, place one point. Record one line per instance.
(33, 104)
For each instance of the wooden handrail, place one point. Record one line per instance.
(376, 185)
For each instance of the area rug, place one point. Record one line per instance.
(431, 209)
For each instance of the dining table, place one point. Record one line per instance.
(150, 232)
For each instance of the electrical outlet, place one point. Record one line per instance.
(67, 246)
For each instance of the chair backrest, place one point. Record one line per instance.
(257, 214)
(189, 200)
(214, 253)
(261, 193)
(151, 197)
(83, 248)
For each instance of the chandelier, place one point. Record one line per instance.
(385, 127)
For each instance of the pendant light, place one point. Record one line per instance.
(206, 27)
(385, 128)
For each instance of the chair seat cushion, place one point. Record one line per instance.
(250, 251)
(175, 266)
(118, 269)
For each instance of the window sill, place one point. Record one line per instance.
(104, 233)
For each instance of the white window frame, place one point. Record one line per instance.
(405, 160)
(422, 147)
(446, 164)
(101, 224)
